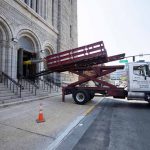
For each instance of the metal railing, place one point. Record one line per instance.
(44, 84)
(50, 84)
(28, 84)
(10, 83)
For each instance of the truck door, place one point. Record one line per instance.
(141, 77)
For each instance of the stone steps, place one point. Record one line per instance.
(7, 96)
(17, 99)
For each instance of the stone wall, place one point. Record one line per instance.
(68, 18)
(20, 20)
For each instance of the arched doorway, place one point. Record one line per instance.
(48, 51)
(5, 48)
(26, 52)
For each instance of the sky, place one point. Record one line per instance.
(123, 25)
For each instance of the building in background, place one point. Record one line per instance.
(33, 29)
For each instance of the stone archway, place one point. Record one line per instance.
(28, 50)
(5, 47)
(47, 50)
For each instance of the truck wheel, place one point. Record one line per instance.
(148, 98)
(81, 97)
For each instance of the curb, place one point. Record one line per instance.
(26, 101)
(71, 126)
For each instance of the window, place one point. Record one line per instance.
(45, 9)
(142, 70)
(31, 3)
(138, 70)
(147, 67)
(70, 31)
(26, 1)
(53, 12)
(40, 7)
(37, 6)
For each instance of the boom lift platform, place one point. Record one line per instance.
(86, 58)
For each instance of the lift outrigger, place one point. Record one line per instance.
(86, 58)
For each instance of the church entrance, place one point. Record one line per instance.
(25, 70)
(26, 52)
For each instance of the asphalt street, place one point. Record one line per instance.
(113, 125)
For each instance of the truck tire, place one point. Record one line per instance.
(81, 97)
(147, 98)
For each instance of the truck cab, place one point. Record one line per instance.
(139, 81)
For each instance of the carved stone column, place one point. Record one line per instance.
(14, 58)
(1, 55)
(10, 58)
(7, 61)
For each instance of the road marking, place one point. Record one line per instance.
(89, 110)
(92, 107)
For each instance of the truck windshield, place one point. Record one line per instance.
(142, 70)
(147, 70)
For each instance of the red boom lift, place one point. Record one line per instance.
(81, 59)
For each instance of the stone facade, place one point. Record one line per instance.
(28, 28)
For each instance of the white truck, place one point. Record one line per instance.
(138, 81)
(138, 85)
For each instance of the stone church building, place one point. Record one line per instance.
(33, 29)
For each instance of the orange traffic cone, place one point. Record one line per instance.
(40, 116)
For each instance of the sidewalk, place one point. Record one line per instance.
(30, 99)
(19, 130)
